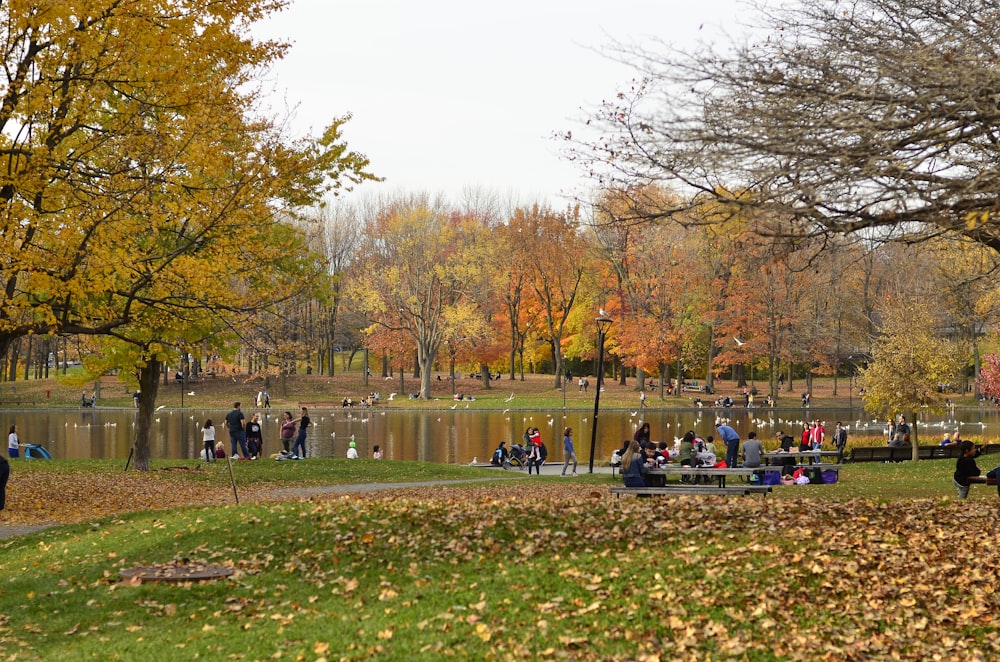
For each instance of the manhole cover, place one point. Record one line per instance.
(177, 571)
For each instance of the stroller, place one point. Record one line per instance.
(517, 458)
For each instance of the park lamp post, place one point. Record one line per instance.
(603, 324)
(564, 386)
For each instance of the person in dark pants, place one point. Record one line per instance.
(4, 475)
(299, 447)
(732, 441)
(236, 422)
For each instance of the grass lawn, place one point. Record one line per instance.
(882, 565)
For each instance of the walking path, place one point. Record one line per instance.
(307, 492)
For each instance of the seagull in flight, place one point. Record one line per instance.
(510, 398)
(739, 343)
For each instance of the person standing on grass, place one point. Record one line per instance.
(255, 437)
(13, 444)
(840, 438)
(300, 437)
(806, 434)
(236, 423)
(568, 452)
(534, 450)
(208, 438)
(287, 431)
(4, 476)
(817, 435)
(731, 439)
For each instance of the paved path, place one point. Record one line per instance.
(306, 492)
(9, 531)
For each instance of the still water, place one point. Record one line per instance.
(447, 436)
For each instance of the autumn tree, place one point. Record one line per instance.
(766, 303)
(988, 382)
(554, 251)
(417, 268)
(909, 361)
(874, 115)
(141, 185)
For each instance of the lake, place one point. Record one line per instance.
(446, 436)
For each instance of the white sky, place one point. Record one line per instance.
(451, 94)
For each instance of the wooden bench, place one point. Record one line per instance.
(903, 453)
(671, 490)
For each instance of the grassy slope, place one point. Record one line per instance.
(882, 564)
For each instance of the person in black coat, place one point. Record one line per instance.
(966, 468)
(4, 476)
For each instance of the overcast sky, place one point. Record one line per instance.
(449, 94)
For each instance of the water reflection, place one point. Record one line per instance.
(435, 436)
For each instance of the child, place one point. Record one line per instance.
(13, 443)
(255, 437)
(966, 467)
(352, 451)
(376, 452)
(208, 437)
(220, 450)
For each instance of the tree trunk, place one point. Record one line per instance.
(914, 442)
(149, 383)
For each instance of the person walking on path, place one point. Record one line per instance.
(208, 437)
(13, 443)
(300, 438)
(236, 422)
(568, 452)
(731, 439)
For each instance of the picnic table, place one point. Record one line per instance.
(811, 457)
(719, 475)
(687, 490)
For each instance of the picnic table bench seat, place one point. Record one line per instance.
(669, 490)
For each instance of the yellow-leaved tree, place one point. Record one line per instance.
(909, 361)
(143, 191)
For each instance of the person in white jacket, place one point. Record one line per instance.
(352, 451)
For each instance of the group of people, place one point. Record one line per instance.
(898, 432)
(950, 439)
(534, 453)
(640, 454)
(247, 437)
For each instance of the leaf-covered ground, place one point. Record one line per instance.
(509, 571)
(64, 497)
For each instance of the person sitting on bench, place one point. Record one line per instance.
(634, 470)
